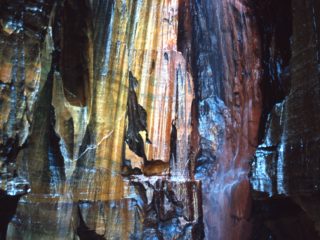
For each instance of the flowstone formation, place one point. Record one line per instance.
(159, 119)
(91, 94)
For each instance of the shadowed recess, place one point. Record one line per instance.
(76, 29)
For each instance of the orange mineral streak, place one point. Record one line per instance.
(136, 36)
(142, 38)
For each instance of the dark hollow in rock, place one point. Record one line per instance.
(274, 19)
(137, 121)
(8, 207)
(76, 28)
(10, 150)
(280, 218)
(84, 232)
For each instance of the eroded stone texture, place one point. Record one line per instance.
(285, 168)
(82, 137)
(138, 119)
(228, 71)
(291, 136)
(23, 66)
(169, 209)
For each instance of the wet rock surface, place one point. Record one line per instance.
(88, 117)
(160, 119)
(169, 209)
(227, 71)
(285, 165)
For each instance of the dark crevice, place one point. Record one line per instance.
(281, 218)
(10, 150)
(173, 145)
(84, 232)
(137, 121)
(185, 31)
(76, 26)
(274, 20)
(55, 157)
(8, 206)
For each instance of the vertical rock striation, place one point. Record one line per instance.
(115, 92)
(139, 119)
(227, 70)
(291, 134)
(285, 168)
(23, 64)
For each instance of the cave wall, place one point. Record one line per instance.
(228, 71)
(164, 119)
(285, 167)
(109, 137)
(286, 163)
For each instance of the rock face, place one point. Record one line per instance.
(109, 125)
(143, 119)
(290, 135)
(228, 71)
(286, 164)
(23, 65)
